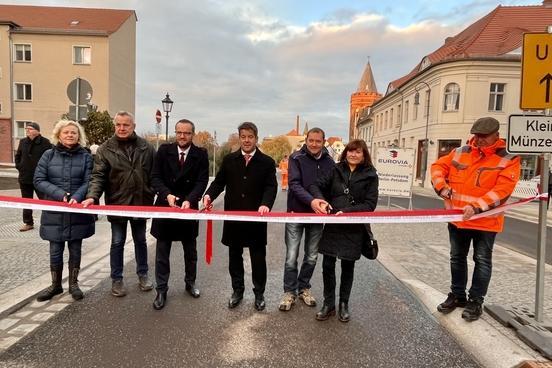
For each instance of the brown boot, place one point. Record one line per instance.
(74, 289)
(53, 289)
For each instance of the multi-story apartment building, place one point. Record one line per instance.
(44, 50)
(473, 74)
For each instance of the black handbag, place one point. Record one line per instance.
(370, 245)
(369, 248)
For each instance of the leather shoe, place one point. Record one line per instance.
(160, 300)
(235, 299)
(343, 313)
(192, 290)
(325, 312)
(260, 303)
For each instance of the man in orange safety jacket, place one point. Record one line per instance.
(474, 178)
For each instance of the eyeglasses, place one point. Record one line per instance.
(183, 133)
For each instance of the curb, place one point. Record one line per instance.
(487, 345)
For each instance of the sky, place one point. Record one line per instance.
(228, 61)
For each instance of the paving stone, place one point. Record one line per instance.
(37, 304)
(56, 307)
(66, 298)
(23, 329)
(22, 314)
(41, 317)
(6, 342)
(7, 323)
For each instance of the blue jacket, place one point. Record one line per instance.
(61, 171)
(303, 170)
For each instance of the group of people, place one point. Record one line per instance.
(127, 171)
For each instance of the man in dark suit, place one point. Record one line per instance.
(179, 176)
(249, 177)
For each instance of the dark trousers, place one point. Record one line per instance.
(56, 253)
(483, 242)
(258, 268)
(163, 265)
(27, 191)
(328, 276)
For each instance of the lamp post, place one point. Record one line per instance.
(425, 145)
(167, 107)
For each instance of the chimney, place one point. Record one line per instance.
(297, 125)
(547, 3)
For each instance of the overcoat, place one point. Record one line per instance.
(27, 155)
(344, 241)
(61, 171)
(187, 183)
(247, 188)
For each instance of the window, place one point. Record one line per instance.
(447, 145)
(452, 97)
(496, 97)
(391, 116)
(82, 55)
(22, 52)
(406, 107)
(23, 92)
(386, 119)
(20, 128)
(399, 115)
(415, 111)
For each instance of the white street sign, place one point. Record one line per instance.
(529, 134)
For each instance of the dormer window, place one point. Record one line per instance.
(425, 63)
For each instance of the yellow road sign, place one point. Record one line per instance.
(536, 72)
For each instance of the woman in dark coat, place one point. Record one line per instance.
(351, 186)
(62, 174)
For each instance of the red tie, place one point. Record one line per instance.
(181, 161)
(247, 157)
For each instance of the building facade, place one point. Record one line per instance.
(472, 75)
(45, 50)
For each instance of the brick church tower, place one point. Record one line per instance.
(365, 96)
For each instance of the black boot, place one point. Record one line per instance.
(326, 312)
(343, 314)
(53, 289)
(74, 289)
(474, 309)
(452, 302)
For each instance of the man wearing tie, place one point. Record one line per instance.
(179, 176)
(249, 177)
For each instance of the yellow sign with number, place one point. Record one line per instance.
(536, 72)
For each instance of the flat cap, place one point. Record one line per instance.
(486, 125)
(33, 125)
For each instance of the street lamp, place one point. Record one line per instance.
(167, 107)
(425, 145)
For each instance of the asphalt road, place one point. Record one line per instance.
(389, 327)
(518, 235)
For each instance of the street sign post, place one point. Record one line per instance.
(536, 72)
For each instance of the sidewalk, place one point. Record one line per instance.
(416, 254)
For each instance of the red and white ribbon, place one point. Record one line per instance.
(401, 216)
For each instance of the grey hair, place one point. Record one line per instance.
(185, 121)
(62, 124)
(124, 113)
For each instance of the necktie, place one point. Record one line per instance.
(247, 157)
(181, 161)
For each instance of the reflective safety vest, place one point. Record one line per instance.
(481, 177)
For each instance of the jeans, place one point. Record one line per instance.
(294, 232)
(27, 191)
(118, 239)
(483, 242)
(328, 276)
(56, 253)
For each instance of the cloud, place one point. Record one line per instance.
(224, 62)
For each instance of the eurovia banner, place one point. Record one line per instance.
(395, 171)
